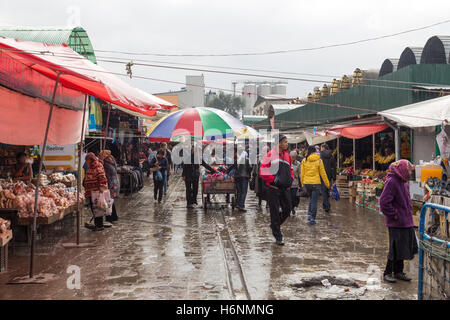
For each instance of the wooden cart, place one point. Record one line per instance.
(212, 187)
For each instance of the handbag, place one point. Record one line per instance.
(102, 203)
(335, 193)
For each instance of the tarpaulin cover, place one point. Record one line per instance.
(358, 132)
(24, 120)
(427, 113)
(77, 73)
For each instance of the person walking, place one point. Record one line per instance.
(312, 171)
(191, 175)
(330, 168)
(296, 183)
(276, 171)
(242, 177)
(159, 175)
(396, 206)
(94, 180)
(110, 166)
(168, 156)
(258, 181)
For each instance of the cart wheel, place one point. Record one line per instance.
(233, 203)
(227, 198)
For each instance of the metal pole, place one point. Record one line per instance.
(354, 155)
(338, 154)
(107, 125)
(396, 138)
(36, 194)
(80, 150)
(373, 151)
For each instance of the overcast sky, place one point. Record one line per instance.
(229, 26)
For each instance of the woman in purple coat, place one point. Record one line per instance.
(396, 205)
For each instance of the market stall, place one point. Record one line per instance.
(44, 100)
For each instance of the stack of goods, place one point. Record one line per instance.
(367, 191)
(348, 161)
(53, 199)
(383, 160)
(43, 180)
(4, 226)
(220, 175)
(68, 180)
(348, 171)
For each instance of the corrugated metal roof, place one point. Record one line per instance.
(388, 66)
(76, 38)
(411, 55)
(436, 50)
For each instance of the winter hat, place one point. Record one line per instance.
(293, 153)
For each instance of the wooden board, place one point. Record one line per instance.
(47, 220)
(5, 238)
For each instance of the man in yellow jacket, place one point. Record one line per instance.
(311, 171)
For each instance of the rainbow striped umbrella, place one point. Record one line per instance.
(198, 123)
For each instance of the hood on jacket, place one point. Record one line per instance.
(313, 157)
(326, 154)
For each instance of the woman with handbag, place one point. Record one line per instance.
(311, 171)
(95, 181)
(110, 166)
(159, 166)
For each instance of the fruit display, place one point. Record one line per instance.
(349, 160)
(53, 199)
(383, 160)
(348, 171)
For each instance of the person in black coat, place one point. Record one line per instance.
(191, 175)
(161, 163)
(330, 168)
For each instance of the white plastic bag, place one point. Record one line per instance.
(102, 203)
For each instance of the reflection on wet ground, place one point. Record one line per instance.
(168, 252)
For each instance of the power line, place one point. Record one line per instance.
(280, 51)
(125, 62)
(228, 90)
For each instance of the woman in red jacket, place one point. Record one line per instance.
(276, 171)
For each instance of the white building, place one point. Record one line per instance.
(193, 95)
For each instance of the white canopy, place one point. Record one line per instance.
(427, 113)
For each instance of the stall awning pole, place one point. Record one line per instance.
(36, 194)
(373, 152)
(338, 154)
(80, 151)
(354, 155)
(396, 138)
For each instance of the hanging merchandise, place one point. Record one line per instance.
(95, 115)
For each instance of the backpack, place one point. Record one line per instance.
(158, 176)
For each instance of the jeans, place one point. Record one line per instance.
(278, 198)
(325, 197)
(242, 189)
(191, 190)
(294, 198)
(158, 189)
(313, 193)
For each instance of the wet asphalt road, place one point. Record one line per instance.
(168, 252)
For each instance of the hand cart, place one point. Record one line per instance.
(213, 187)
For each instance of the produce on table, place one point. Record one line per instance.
(349, 160)
(4, 226)
(53, 199)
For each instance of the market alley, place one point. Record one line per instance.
(169, 252)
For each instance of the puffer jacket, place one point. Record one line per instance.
(312, 170)
(283, 177)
